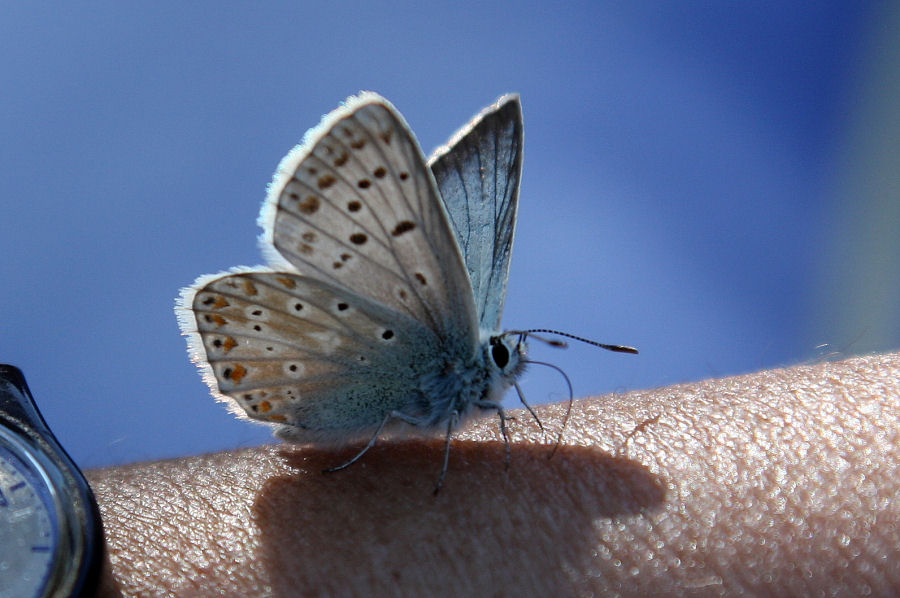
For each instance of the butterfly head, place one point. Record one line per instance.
(506, 354)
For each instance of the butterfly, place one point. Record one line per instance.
(380, 310)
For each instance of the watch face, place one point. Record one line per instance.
(29, 522)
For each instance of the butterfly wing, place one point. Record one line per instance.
(288, 349)
(478, 174)
(356, 206)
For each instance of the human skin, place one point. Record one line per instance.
(781, 482)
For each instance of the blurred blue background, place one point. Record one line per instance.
(714, 183)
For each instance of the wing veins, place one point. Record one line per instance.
(284, 213)
(408, 147)
(340, 330)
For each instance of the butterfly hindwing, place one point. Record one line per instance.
(478, 174)
(356, 206)
(292, 350)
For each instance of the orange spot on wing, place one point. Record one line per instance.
(265, 406)
(311, 204)
(288, 283)
(277, 418)
(220, 302)
(229, 344)
(250, 288)
(236, 374)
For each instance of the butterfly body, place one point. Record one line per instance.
(380, 311)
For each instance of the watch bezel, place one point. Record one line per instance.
(76, 567)
(62, 576)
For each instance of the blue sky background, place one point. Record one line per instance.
(714, 183)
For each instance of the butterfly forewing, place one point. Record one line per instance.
(478, 174)
(356, 206)
(296, 351)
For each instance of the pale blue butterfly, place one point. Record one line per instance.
(382, 306)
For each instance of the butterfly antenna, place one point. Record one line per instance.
(556, 343)
(568, 408)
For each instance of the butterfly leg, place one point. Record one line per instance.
(366, 448)
(392, 415)
(528, 407)
(503, 418)
(451, 423)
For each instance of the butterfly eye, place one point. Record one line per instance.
(499, 353)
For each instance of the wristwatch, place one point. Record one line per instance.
(51, 538)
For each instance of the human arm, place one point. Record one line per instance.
(783, 481)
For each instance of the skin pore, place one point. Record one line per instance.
(778, 482)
